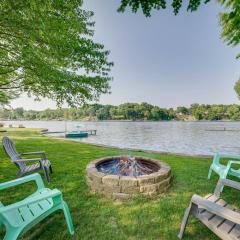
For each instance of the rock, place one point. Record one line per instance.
(121, 196)
(146, 180)
(160, 176)
(164, 183)
(95, 175)
(111, 189)
(130, 190)
(149, 188)
(128, 181)
(111, 180)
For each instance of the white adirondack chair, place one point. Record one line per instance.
(215, 213)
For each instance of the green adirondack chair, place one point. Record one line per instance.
(224, 170)
(21, 216)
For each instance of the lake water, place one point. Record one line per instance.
(194, 138)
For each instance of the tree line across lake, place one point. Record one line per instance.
(127, 111)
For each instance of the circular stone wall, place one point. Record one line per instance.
(125, 187)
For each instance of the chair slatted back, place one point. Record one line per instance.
(11, 151)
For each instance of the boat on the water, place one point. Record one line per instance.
(77, 133)
(80, 134)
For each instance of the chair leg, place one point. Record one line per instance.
(19, 174)
(1, 226)
(188, 211)
(209, 173)
(11, 234)
(222, 177)
(50, 168)
(68, 218)
(46, 174)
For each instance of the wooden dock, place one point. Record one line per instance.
(91, 131)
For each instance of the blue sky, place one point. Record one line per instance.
(165, 60)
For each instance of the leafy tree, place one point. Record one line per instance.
(182, 110)
(103, 113)
(113, 111)
(59, 113)
(146, 110)
(155, 113)
(216, 112)
(198, 111)
(19, 112)
(233, 112)
(30, 115)
(237, 87)
(72, 114)
(141, 111)
(165, 115)
(230, 21)
(171, 114)
(148, 6)
(128, 110)
(5, 114)
(46, 50)
(91, 110)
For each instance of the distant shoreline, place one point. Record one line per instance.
(128, 112)
(56, 120)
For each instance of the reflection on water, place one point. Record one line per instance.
(175, 137)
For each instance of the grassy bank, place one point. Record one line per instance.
(95, 217)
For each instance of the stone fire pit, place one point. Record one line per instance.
(123, 177)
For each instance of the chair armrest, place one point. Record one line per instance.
(33, 177)
(232, 162)
(231, 156)
(28, 160)
(217, 157)
(216, 209)
(225, 182)
(45, 195)
(35, 153)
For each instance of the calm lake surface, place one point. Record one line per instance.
(194, 138)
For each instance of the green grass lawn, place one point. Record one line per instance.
(95, 217)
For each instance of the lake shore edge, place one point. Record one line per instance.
(44, 132)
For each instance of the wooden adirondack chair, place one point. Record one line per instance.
(41, 163)
(224, 170)
(215, 213)
(21, 216)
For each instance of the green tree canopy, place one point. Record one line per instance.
(46, 50)
(149, 5)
